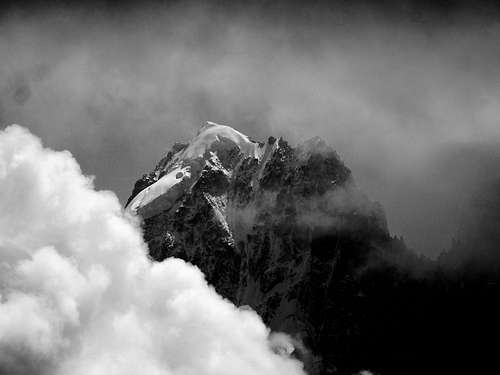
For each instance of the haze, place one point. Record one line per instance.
(409, 99)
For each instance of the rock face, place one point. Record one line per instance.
(283, 230)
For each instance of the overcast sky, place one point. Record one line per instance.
(408, 95)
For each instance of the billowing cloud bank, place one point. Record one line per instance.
(79, 296)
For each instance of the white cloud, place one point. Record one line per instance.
(78, 294)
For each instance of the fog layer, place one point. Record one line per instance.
(412, 104)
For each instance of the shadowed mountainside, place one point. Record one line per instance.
(286, 231)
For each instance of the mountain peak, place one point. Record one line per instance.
(249, 214)
(213, 136)
(182, 167)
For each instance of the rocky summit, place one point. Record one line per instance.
(285, 231)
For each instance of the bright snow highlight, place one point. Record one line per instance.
(210, 139)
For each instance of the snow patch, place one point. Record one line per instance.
(187, 163)
(212, 135)
(160, 187)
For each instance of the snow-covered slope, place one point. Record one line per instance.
(213, 137)
(164, 186)
(181, 172)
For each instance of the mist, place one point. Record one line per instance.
(409, 99)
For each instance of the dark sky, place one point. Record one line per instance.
(407, 92)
